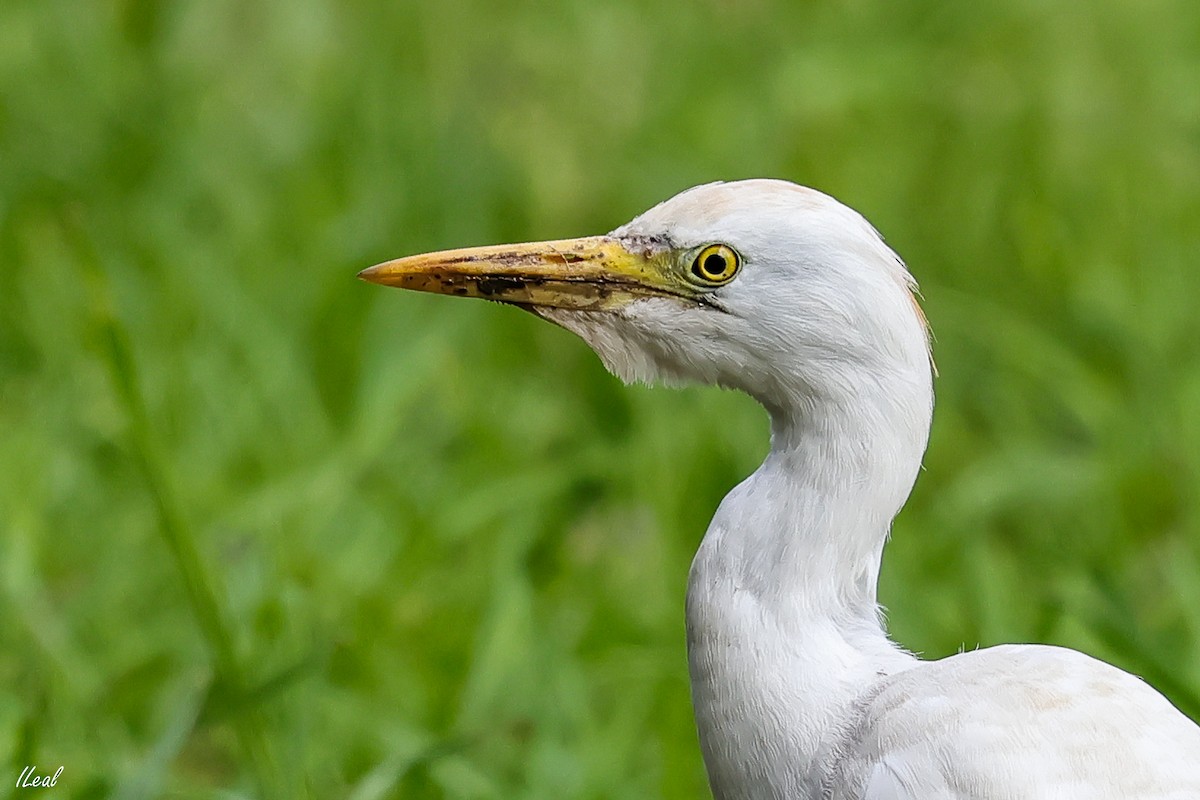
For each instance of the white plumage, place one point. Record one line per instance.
(798, 692)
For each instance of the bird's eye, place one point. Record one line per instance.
(716, 264)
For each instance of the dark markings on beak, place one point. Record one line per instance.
(511, 258)
(648, 245)
(508, 258)
(497, 284)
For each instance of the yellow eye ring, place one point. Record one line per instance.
(716, 264)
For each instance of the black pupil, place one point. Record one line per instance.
(714, 264)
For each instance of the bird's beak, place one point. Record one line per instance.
(596, 273)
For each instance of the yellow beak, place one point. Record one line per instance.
(595, 273)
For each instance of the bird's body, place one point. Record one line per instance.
(784, 293)
(1017, 721)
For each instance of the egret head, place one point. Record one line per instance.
(760, 285)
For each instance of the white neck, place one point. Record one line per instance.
(783, 626)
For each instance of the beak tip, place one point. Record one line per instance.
(370, 274)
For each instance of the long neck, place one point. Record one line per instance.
(783, 624)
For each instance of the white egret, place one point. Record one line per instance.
(793, 298)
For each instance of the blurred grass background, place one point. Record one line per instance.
(271, 532)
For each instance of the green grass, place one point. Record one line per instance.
(268, 531)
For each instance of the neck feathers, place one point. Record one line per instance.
(783, 625)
